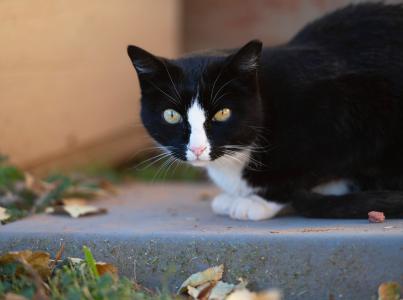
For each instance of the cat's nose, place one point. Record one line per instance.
(198, 150)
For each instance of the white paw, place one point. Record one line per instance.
(222, 203)
(253, 208)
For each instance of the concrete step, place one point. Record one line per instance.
(163, 232)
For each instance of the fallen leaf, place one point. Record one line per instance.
(209, 275)
(58, 257)
(376, 217)
(389, 291)
(36, 185)
(201, 292)
(12, 296)
(108, 187)
(105, 268)
(85, 192)
(193, 292)
(38, 261)
(221, 290)
(3, 214)
(76, 210)
(245, 294)
(73, 261)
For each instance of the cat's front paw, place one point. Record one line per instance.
(221, 204)
(253, 208)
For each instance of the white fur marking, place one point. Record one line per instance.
(222, 203)
(333, 188)
(198, 137)
(227, 174)
(254, 208)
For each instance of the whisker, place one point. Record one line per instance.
(168, 168)
(170, 78)
(223, 86)
(153, 160)
(164, 164)
(176, 102)
(219, 98)
(215, 81)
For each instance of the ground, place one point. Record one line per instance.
(152, 230)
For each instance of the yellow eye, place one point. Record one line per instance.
(222, 115)
(172, 116)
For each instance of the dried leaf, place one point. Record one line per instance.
(245, 294)
(12, 296)
(58, 257)
(3, 214)
(73, 261)
(36, 185)
(200, 292)
(389, 291)
(209, 275)
(84, 192)
(38, 261)
(74, 201)
(76, 208)
(108, 187)
(105, 268)
(221, 290)
(14, 256)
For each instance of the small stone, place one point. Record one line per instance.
(376, 217)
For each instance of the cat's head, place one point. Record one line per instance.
(201, 107)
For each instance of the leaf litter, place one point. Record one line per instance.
(207, 285)
(35, 275)
(22, 194)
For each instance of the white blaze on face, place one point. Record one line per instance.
(198, 148)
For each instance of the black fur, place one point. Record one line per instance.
(326, 105)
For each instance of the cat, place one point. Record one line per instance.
(315, 123)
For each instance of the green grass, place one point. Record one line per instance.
(73, 281)
(143, 170)
(22, 199)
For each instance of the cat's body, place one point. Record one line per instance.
(316, 122)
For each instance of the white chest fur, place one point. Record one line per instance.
(227, 174)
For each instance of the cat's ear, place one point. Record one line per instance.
(143, 61)
(247, 58)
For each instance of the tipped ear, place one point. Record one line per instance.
(247, 58)
(144, 62)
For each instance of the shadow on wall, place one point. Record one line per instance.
(230, 23)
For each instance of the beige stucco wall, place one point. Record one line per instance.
(66, 84)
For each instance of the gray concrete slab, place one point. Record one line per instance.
(162, 233)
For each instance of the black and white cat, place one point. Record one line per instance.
(316, 123)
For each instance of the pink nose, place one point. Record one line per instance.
(198, 150)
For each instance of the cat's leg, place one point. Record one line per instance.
(254, 208)
(221, 204)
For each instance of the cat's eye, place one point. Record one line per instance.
(222, 115)
(172, 116)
